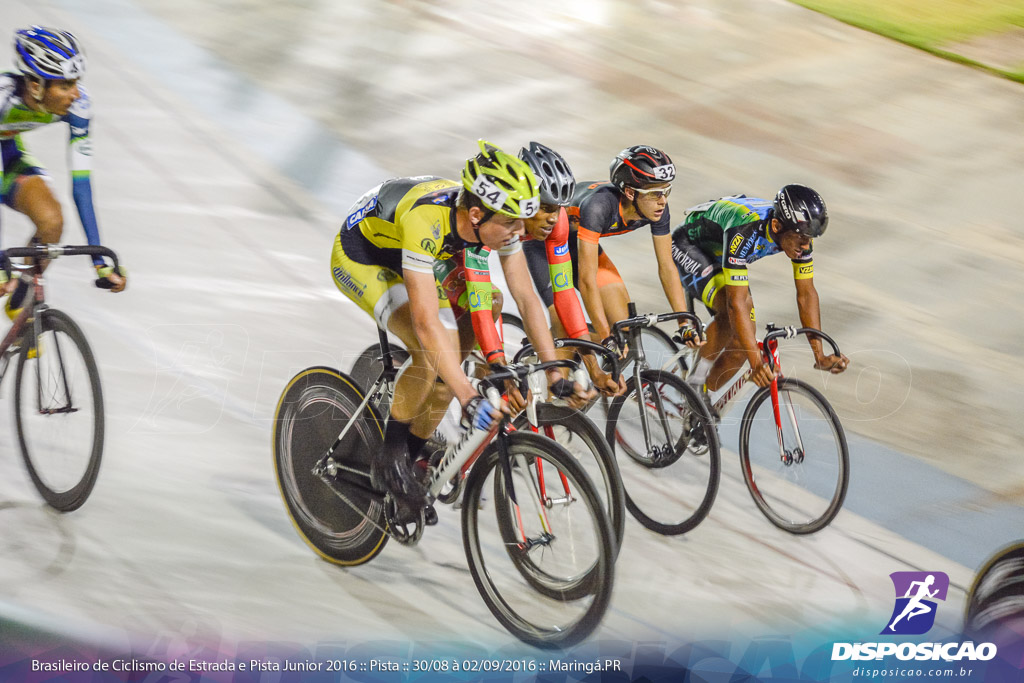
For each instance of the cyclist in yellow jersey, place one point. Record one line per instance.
(384, 260)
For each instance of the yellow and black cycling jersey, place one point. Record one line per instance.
(404, 224)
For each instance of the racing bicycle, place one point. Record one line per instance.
(541, 559)
(666, 432)
(793, 451)
(58, 401)
(570, 428)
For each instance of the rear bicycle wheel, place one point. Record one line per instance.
(58, 408)
(577, 434)
(314, 408)
(801, 483)
(672, 462)
(565, 544)
(368, 367)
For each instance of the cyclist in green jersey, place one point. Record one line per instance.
(712, 249)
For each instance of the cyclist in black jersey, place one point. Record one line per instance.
(637, 197)
(712, 249)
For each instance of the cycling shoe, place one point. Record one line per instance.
(399, 478)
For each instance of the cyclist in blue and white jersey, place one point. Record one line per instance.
(45, 89)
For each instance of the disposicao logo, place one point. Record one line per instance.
(916, 595)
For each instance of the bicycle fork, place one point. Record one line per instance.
(536, 492)
(786, 456)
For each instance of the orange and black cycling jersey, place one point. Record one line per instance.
(596, 212)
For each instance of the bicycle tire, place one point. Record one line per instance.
(598, 576)
(57, 322)
(819, 480)
(706, 473)
(314, 407)
(581, 427)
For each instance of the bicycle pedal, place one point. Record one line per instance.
(404, 525)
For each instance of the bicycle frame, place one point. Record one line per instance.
(22, 329)
(769, 348)
(724, 403)
(35, 295)
(634, 324)
(458, 458)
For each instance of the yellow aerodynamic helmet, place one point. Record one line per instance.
(504, 183)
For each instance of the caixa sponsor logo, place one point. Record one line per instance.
(361, 213)
(948, 652)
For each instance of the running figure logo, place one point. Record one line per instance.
(916, 592)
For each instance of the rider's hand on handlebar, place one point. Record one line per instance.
(478, 413)
(574, 393)
(687, 335)
(604, 383)
(762, 375)
(516, 402)
(832, 363)
(108, 278)
(612, 344)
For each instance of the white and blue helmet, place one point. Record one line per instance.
(48, 53)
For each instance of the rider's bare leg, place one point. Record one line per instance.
(419, 400)
(615, 299)
(34, 198)
(731, 356)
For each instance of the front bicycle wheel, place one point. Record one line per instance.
(58, 408)
(564, 540)
(344, 526)
(660, 351)
(577, 433)
(672, 462)
(795, 460)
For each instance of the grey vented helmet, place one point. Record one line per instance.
(557, 183)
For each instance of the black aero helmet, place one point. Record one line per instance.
(641, 166)
(801, 209)
(557, 183)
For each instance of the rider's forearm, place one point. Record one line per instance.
(593, 366)
(670, 282)
(536, 325)
(740, 306)
(595, 308)
(810, 316)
